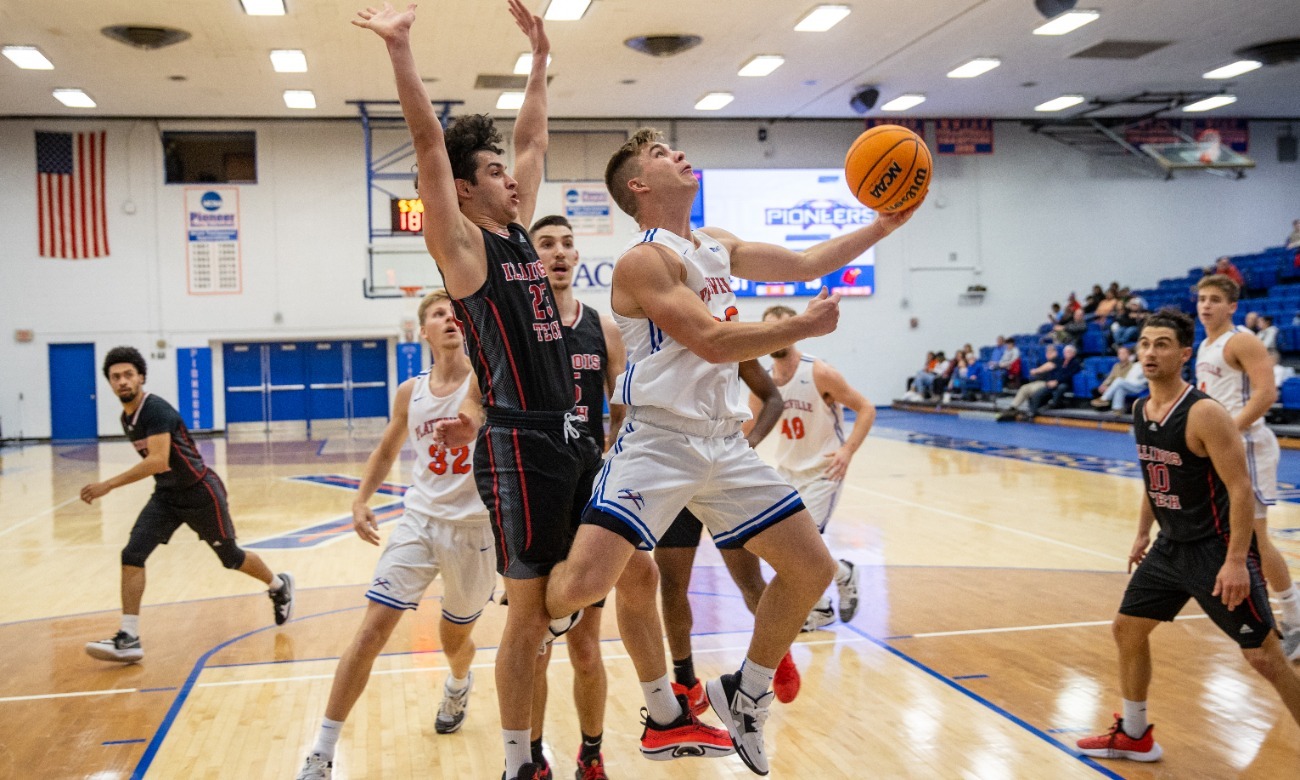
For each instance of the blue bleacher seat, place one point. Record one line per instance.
(1291, 393)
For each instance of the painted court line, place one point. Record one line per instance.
(1010, 629)
(38, 516)
(108, 692)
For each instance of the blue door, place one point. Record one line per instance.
(288, 381)
(325, 369)
(72, 392)
(246, 393)
(369, 378)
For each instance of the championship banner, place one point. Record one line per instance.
(1152, 131)
(963, 136)
(915, 125)
(213, 265)
(1233, 133)
(588, 210)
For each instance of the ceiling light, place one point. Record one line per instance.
(510, 101)
(566, 10)
(73, 98)
(1060, 104)
(524, 65)
(822, 18)
(1235, 69)
(714, 100)
(288, 61)
(903, 102)
(263, 7)
(1211, 103)
(976, 67)
(28, 58)
(761, 65)
(299, 98)
(1067, 22)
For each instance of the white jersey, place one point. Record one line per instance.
(811, 429)
(1214, 377)
(442, 480)
(663, 373)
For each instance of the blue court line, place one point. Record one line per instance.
(983, 701)
(970, 677)
(122, 742)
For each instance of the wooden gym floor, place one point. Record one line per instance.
(993, 560)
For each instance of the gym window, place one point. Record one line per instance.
(210, 157)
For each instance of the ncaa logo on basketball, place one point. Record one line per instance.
(210, 201)
(822, 212)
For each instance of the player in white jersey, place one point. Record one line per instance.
(444, 529)
(671, 297)
(812, 452)
(1233, 368)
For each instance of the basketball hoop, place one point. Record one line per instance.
(412, 291)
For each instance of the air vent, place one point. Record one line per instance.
(663, 45)
(1120, 50)
(1273, 52)
(147, 38)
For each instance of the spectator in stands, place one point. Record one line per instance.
(1128, 321)
(923, 384)
(1010, 364)
(1125, 380)
(1093, 300)
(1059, 382)
(1071, 305)
(1293, 240)
(965, 377)
(1038, 380)
(1106, 309)
(1072, 331)
(995, 353)
(1053, 316)
(1281, 373)
(1267, 333)
(1252, 321)
(1225, 266)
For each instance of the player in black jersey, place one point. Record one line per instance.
(530, 453)
(597, 357)
(1198, 489)
(186, 492)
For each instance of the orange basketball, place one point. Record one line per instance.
(888, 168)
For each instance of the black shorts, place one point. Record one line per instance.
(202, 506)
(1173, 572)
(532, 482)
(684, 532)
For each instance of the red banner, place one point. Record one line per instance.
(1152, 131)
(963, 136)
(915, 125)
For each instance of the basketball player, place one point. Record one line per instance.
(597, 357)
(444, 528)
(186, 492)
(1234, 368)
(1198, 489)
(813, 454)
(672, 300)
(530, 455)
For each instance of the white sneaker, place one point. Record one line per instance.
(1290, 640)
(744, 718)
(451, 713)
(316, 767)
(821, 615)
(848, 593)
(121, 647)
(558, 628)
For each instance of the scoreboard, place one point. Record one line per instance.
(408, 215)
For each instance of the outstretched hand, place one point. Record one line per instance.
(531, 25)
(387, 22)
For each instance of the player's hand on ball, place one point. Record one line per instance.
(1232, 584)
(893, 221)
(93, 491)
(364, 523)
(459, 432)
(822, 314)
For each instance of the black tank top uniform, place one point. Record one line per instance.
(587, 356)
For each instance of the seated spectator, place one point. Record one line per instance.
(1053, 316)
(1038, 380)
(1293, 240)
(1071, 305)
(1059, 382)
(1267, 332)
(1124, 381)
(995, 354)
(1093, 300)
(1106, 309)
(1225, 266)
(1124, 330)
(923, 384)
(1071, 332)
(1010, 363)
(964, 379)
(1252, 322)
(1281, 373)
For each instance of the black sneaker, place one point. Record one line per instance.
(526, 772)
(744, 718)
(121, 647)
(282, 599)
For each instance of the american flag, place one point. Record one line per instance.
(70, 195)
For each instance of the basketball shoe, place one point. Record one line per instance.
(593, 769)
(282, 599)
(685, 737)
(848, 593)
(694, 696)
(121, 647)
(451, 713)
(526, 772)
(1290, 640)
(821, 615)
(558, 628)
(744, 718)
(1118, 744)
(316, 767)
(786, 682)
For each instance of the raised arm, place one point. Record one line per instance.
(649, 283)
(530, 135)
(1211, 429)
(381, 462)
(771, 263)
(769, 405)
(454, 242)
(615, 365)
(831, 384)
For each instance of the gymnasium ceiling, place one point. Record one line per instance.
(902, 46)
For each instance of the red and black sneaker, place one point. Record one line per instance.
(685, 737)
(526, 772)
(1116, 743)
(592, 769)
(786, 682)
(694, 696)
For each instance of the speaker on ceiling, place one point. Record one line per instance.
(1051, 8)
(863, 100)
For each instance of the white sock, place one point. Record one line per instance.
(327, 737)
(755, 679)
(277, 582)
(660, 702)
(131, 624)
(519, 749)
(457, 684)
(1135, 718)
(842, 573)
(1289, 599)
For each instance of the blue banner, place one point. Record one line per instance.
(194, 387)
(410, 360)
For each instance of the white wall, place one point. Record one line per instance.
(1031, 223)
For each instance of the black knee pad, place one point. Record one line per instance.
(138, 549)
(231, 555)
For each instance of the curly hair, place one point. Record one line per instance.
(466, 137)
(124, 355)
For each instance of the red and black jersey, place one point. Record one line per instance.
(1189, 499)
(152, 417)
(586, 342)
(512, 330)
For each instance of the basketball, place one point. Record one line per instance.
(888, 168)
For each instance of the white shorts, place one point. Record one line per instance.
(1262, 455)
(820, 495)
(654, 472)
(419, 548)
